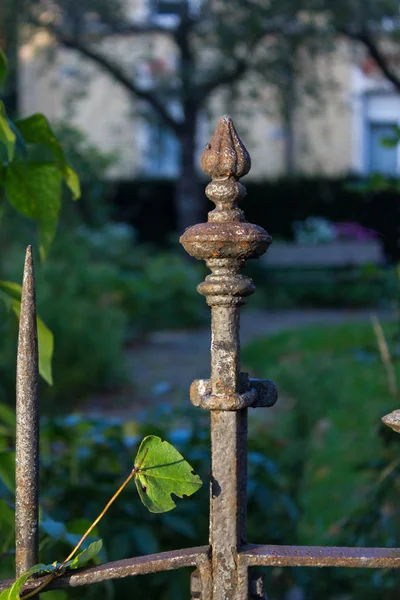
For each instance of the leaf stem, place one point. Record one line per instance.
(101, 515)
(58, 571)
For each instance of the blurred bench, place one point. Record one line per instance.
(333, 254)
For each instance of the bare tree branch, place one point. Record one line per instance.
(113, 69)
(119, 75)
(374, 51)
(273, 27)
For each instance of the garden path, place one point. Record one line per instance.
(166, 363)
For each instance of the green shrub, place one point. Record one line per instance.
(96, 291)
(333, 393)
(84, 459)
(75, 299)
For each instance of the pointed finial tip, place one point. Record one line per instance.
(392, 420)
(225, 155)
(28, 258)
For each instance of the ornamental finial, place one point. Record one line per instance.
(226, 235)
(225, 155)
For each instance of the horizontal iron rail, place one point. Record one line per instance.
(252, 555)
(320, 556)
(140, 565)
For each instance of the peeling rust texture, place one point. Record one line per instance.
(27, 429)
(141, 565)
(320, 556)
(226, 242)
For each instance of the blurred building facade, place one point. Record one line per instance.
(342, 136)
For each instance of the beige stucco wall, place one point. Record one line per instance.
(113, 121)
(323, 126)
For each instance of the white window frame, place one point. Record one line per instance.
(365, 89)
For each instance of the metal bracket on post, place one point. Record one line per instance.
(255, 393)
(226, 242)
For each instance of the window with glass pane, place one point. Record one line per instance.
(380, 158)
(162, 158)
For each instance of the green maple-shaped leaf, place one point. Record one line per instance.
(162, 471)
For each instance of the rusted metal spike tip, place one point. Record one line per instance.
(27, 429)
(225, 155)
(392, 420)
(28, 277)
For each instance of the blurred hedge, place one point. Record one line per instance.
(275, 204)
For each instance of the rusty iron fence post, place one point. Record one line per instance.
(27, 429)
(221, 570)
(225, 242)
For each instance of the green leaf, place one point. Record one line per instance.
(72, 181)
(7, 138)
(12, 593)
(7, 469)
(37, 130)
(162, 471)
(3, 68)
(11, 292)
(84, 557)
(34, 189)
(20, 146)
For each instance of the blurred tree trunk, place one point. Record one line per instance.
(189, 202)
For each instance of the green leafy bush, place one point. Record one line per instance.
(96, 290)
(84, 459)
(157, 289)
(344, 476)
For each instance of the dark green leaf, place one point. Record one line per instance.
(163, 471)
(36, 130)
(34, 189)
(12, 593)
(20, 146)
(84, 557)
(10, 293)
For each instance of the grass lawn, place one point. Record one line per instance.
(334, 391)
